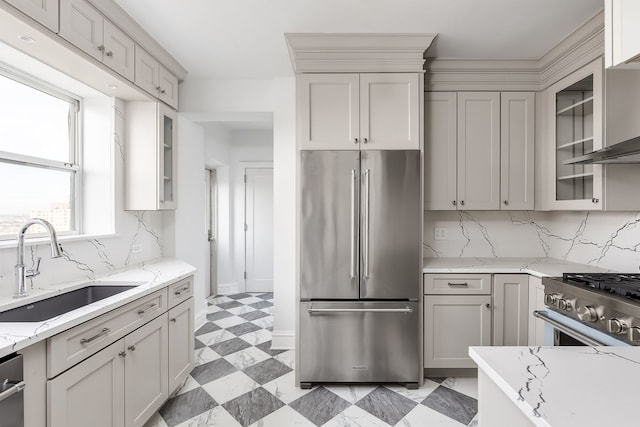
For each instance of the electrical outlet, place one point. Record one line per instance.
(136, 249)
(440, 233)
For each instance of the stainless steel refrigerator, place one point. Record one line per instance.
(360, 267)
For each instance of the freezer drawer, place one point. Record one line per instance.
(374, 342)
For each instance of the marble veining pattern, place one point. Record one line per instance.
(541, 381)
(253, 384)
(609, 240)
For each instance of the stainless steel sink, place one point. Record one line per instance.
(60, 304)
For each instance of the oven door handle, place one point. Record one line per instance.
(16, 387)
(577, 335)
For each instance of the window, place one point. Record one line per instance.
(39, 159)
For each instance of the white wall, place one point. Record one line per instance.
(202, 97)
(189, 222)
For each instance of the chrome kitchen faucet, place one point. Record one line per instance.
(21, 272)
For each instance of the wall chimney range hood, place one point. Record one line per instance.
(625, 152)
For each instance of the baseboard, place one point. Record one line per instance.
(200, 320)
(228, 288)
(283, 340)
(450, 372)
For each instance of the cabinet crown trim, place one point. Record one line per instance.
(345, 52)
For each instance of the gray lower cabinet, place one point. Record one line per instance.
(510, 309)
(121, 385)
(181, 343)
(453, 323)
(536, 302)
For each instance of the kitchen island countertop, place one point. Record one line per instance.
(566, 386)
(149, 277)
(539, 267)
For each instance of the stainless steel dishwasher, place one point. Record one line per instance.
(11, 396)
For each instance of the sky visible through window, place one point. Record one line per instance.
(34, 123)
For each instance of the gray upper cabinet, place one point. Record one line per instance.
(350, 111)
(154, 78)
(84, 26)
(43, 11)
(517, 150)
(479, 150)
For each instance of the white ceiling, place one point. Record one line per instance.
(243, 39)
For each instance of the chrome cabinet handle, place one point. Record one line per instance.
(458, 285)
(132, 348)
(103, 332)
(365, 242)
(109, 53)
(594, 200)
(454, 203)
(101, 48)
(162, 91)
(355, 140)
(173, 319)
(365, 140)
(141, 312)
(462, 202)
(122, 354)
(354, 224)
(506, 203)
(180, 291)
(360, 310)
(488, 305)
(17, 387)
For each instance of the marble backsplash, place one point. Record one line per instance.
(90, 258)
(605, 239)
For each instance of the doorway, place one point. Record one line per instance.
(258, 227)
(211, 195)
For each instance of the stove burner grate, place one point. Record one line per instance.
(623, 284)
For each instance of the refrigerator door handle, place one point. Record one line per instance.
(360, 310)
(354, 223)
(365, 242)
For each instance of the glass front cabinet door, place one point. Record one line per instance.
(576, 128)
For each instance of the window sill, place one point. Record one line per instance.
(6, 244)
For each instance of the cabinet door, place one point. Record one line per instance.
(181, 344)
(168, 83)
(119, 51)
(91, 393)
(167, 134)
(478, 150)
(452, 323)
(390, 111)
(622, 34)
(575, 118)
(440, 150)
(43, 11)
(536, 302)
(328, 112)
(82, 25)
(146, 371)
(510, 309)
(147, 71)
(517, 125)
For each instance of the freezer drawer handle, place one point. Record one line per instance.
(17, 387)
(458, 285)
(360, 310)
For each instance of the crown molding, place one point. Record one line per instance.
(350, 52)
(579, 48)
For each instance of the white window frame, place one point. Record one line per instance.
(75, 148)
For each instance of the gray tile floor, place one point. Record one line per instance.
(239, 381)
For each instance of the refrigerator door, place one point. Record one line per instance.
(371, 341)
(390, 229)
(329, 224)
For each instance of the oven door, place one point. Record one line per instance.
(561, 330)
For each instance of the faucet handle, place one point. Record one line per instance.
(36, 271)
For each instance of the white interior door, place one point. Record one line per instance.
(212, 228)
(258, 229)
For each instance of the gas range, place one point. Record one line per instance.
(607, 302)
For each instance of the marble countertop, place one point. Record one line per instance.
(567, 386)
(148, 277)
(539, 267)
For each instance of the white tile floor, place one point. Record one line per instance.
(239, 381)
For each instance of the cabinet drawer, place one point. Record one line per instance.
(76, 344)
(180, 291)
(453, 284)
